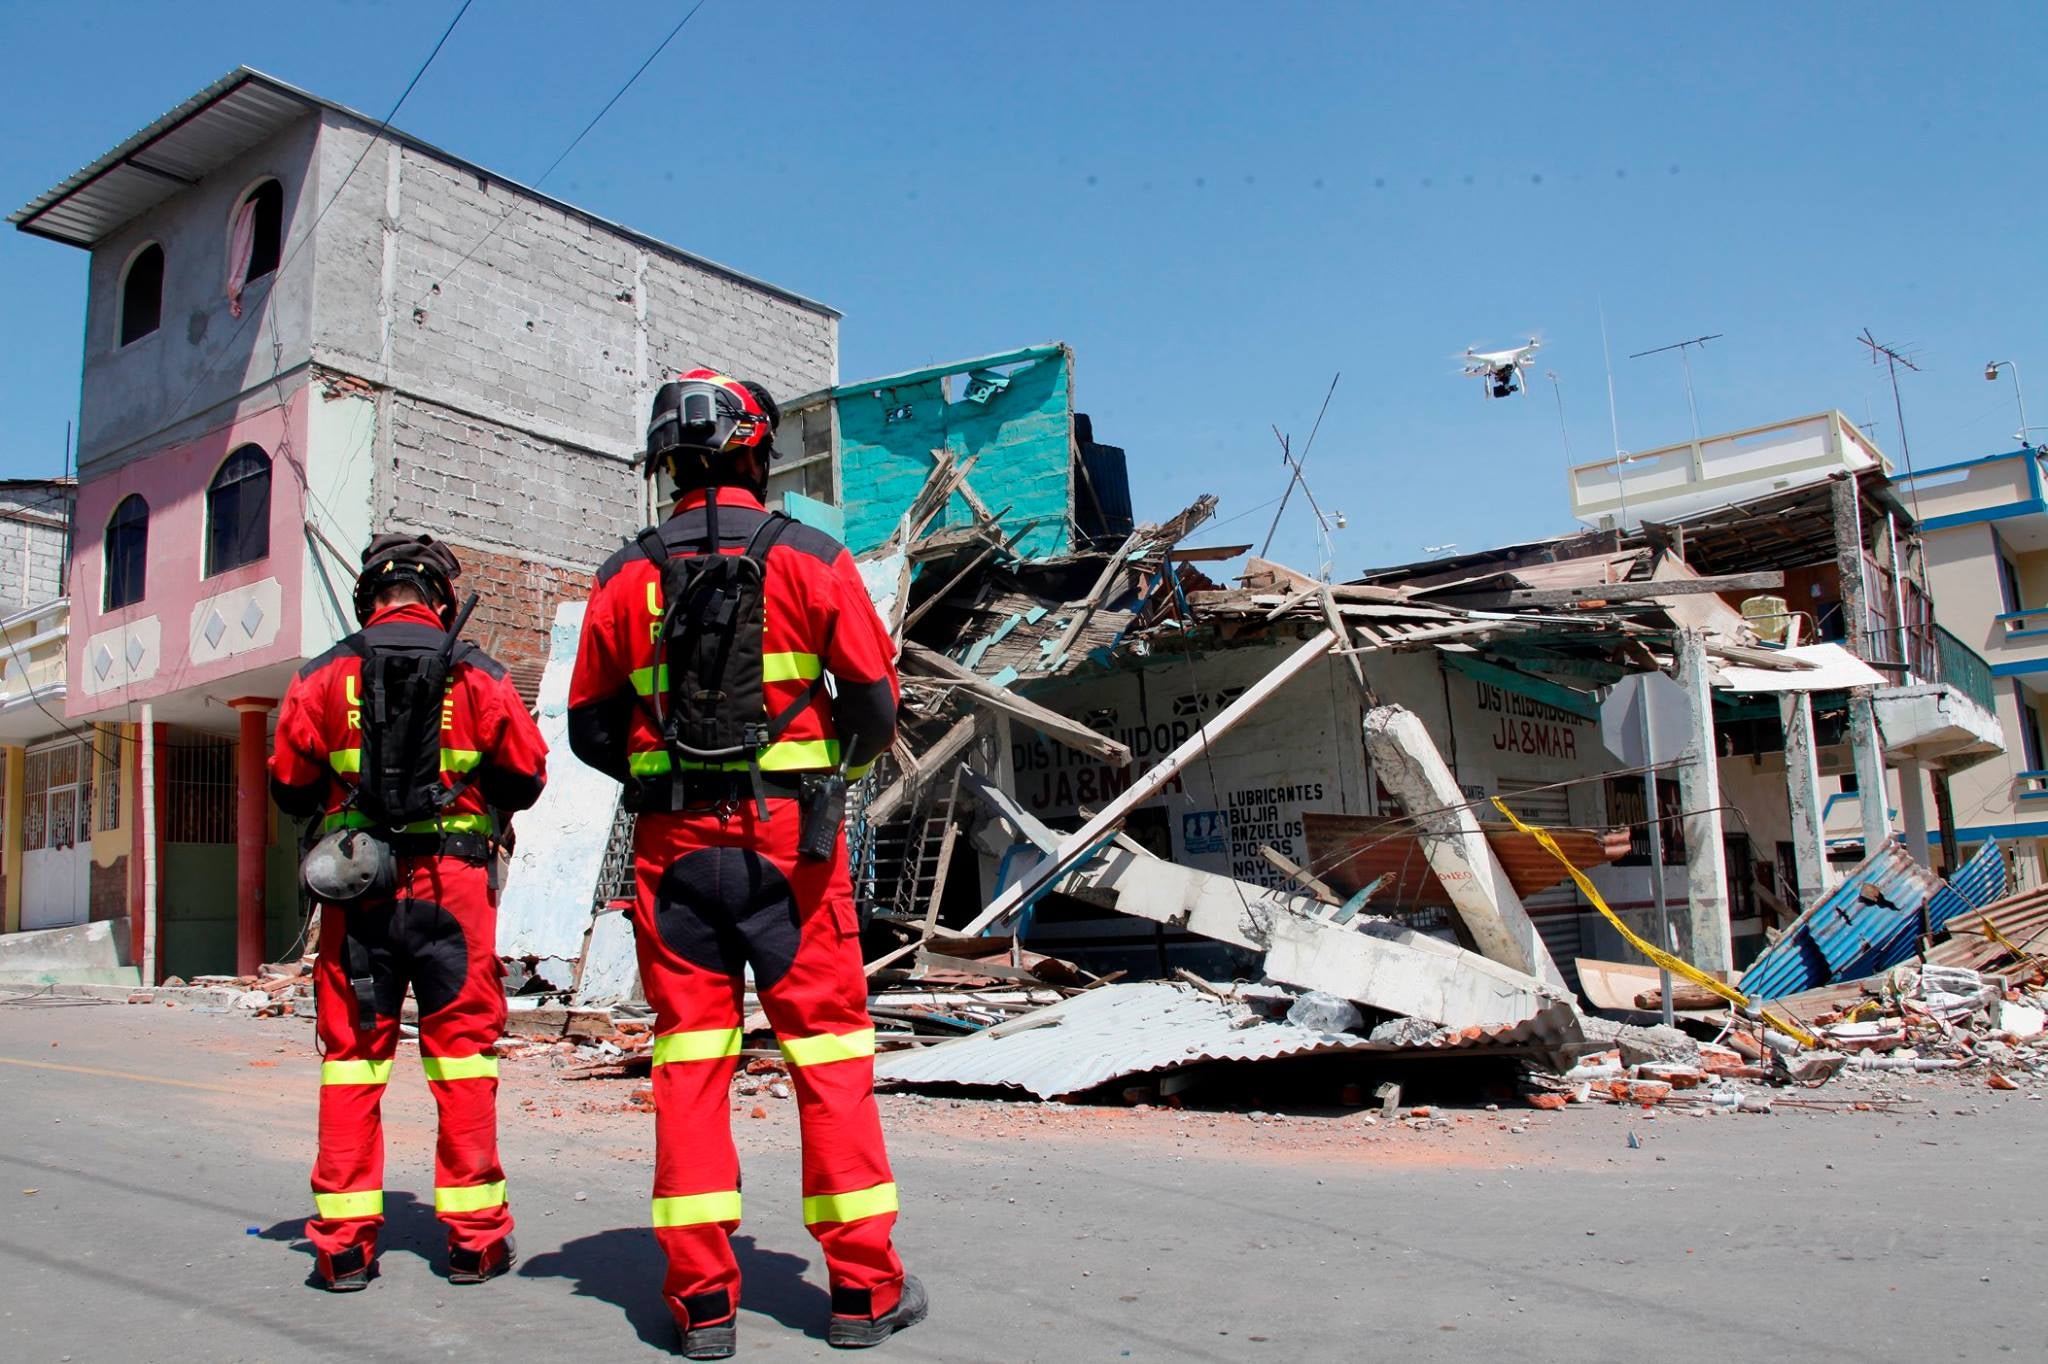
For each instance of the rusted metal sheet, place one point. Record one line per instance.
(1351, 851)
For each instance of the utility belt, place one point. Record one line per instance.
(482, 849)
(820, 798)
(696, 791)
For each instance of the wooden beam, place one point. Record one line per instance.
(950, 745)
(1050, 723)
(1298, 874)
(1611, 592)
(1073, 846)
(1085, 609)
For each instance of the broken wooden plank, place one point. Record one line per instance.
(1084, 610)
(950, 745)
(1298, 874)
(1051, 723)
(1612, 592)
(1073, 846)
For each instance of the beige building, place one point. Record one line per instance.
(1984, 524)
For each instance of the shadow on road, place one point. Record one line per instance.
(624, 1267)
(409, 1227)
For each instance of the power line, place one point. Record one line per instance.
(1892, 361)
(278, 275)
(562, 156)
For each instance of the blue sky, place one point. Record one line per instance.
(1219, 206)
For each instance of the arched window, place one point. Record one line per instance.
(127, 551)
(238, 511)
(142, 294)
(265, 207)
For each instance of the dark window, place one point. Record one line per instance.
(127, 550)
(142, 294)
(2009, 585)
(238, 511)
(2030, 728)
(267, 244)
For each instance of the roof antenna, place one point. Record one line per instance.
(1683, 347)
(1614, 423)
(1295, 464)
(1892, 361)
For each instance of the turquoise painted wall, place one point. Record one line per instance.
(1022, 436)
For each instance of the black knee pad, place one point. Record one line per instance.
(437, 952)
(721, 908)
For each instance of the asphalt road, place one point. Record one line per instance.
(153, 1173)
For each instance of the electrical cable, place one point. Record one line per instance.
(560, 157)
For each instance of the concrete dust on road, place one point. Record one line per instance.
(155, 1176)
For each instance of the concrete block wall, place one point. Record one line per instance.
(31, 549)
(515, 342)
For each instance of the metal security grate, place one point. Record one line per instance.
(615, 873)
(199, 795)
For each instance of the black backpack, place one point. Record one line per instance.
(404, 687)
(714, 708)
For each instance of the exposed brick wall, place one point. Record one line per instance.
(108, 890)
(516, 601)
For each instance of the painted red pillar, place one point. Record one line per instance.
(252, 830)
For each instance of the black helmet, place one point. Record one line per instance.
(701, 416)
(418, 560)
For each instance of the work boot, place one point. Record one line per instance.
(474, 1266)
(719, 1339)
(853, 1330)
(345, 1271)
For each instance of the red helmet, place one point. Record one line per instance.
(707, 413)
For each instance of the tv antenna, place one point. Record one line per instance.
(1294, 476)
(1564, 435)
(1683, 348)
(1892, 360)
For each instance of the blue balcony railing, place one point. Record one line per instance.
(1963, 668)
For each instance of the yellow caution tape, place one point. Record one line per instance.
(1677, 966)
(1991, 932)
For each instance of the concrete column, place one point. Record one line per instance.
(1408, 764)
(1699, 799)
(1802, 791)
(252, 830)
(1868, 747)
(1913, 811)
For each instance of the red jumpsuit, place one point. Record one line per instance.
(719, 890)
(438, 935)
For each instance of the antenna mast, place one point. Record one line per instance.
(1892, 361)
(1682, 347)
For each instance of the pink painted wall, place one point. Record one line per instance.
(173, 482)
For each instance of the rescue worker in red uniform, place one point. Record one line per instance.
(426, 916)
(729, 873)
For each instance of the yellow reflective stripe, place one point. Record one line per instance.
(789, 667)
(800, 755)
(447, 824)
(790, 755)
(473, 1198)
(827, 1047)
(856, 773)
(694, 1210)
(850, 1206)
(362, 1203)
(706, 1044)
(354, 1072)
(459, 1067)
(460, 759)
(647, 681)
(346, 760)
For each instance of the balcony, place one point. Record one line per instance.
(1677, 481)
(1944, 708)
(32, 644)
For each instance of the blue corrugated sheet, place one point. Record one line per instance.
(1872, 921)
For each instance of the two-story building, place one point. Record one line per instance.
(301, 325)
(1985, 524)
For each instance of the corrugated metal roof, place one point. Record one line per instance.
(1118, 1031)
(1872, 921)
(202, 134)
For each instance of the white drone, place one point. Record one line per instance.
(1501, 369)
